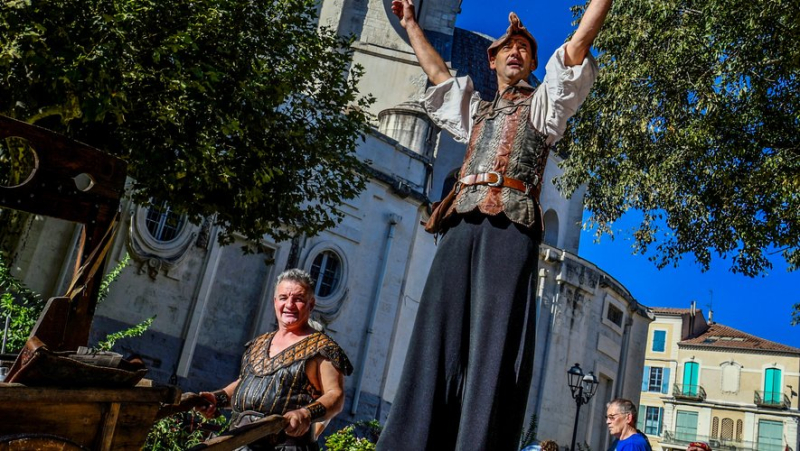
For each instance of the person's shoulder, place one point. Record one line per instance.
(636, 442)
(330, 350)
(639, 442)
(259, 339)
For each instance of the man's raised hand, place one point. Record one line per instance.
(404, 9)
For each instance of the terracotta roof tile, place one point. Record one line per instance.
(721, 336)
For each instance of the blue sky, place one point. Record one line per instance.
(759, 306)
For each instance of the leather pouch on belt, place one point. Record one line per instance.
(435, 223)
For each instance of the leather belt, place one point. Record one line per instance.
(495, 179)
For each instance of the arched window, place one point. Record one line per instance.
(162, 223)
(715, 427)
(727, 429)
(739, 430)
(551, 228)
(326, 270)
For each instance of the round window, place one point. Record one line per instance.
(326, 270)
(163, 223)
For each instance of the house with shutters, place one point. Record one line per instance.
(709, 382)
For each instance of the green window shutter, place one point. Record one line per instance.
(640, 420)
(659, 340)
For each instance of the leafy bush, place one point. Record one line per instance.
(21, 307)
(347, 438)
(183, 431)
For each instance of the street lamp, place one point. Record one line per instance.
(583, 388)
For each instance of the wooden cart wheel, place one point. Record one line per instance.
(37, 442)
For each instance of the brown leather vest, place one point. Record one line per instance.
(503, 141)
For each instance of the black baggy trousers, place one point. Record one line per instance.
(468, 369)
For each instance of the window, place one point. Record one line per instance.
(772, 386)
(551, 228)
(652, 422)
(614, 315)
(655, 379)
(715, 428)
(686, 426)
(770, 435)
(690, 376)
(739, 430)
(163, 223)
(326, 271)
(727, 429)
(659, 340)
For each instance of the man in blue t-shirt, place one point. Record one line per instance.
(621, 420)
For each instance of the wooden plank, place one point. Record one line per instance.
(110, 419)
(109, 425)
(76, 422)
(51, 189)
(246, 434)
(133, 424)
(10, 393)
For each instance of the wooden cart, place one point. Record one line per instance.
(49, 400)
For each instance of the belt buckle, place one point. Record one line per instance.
(499, 181)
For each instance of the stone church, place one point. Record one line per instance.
(208, 301)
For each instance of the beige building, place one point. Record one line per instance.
(709, 382)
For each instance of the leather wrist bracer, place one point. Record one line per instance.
(221, 398)
(316, 410)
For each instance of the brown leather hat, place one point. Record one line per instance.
(514, 27)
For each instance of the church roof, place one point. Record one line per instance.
(721, 336)
(670, 310)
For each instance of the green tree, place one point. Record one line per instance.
(244, 111)
(695, 122)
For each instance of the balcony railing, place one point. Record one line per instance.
(683, 439)
(772, 399)
(686, 391)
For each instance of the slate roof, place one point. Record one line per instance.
(671, 311)
(721, 336)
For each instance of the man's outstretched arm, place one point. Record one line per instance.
(591, 22)
(430, 60)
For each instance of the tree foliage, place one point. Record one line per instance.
(247, 111)
(695, 122)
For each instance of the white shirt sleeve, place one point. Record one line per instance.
(563, 90)
(451, 105)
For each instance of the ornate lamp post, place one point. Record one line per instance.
(583, 387)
